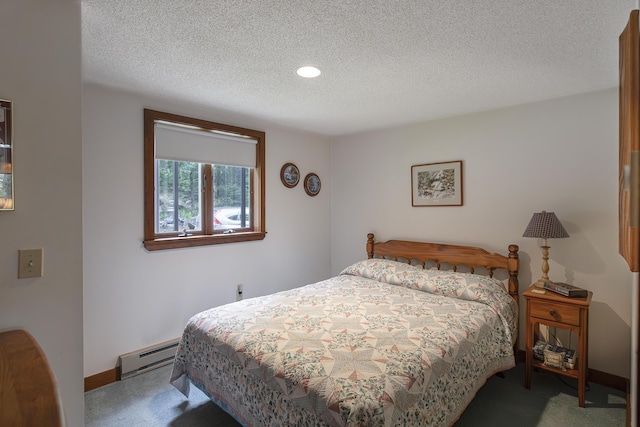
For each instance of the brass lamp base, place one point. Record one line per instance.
(545, 266)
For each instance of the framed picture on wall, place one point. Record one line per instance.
(6, 156)
(437, 184)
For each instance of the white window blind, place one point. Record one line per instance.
(193, 145)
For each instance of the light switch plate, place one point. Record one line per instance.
(30, 263)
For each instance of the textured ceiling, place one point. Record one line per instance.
(384, 62)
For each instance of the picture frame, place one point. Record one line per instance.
(289, 175)
(312, 184)
(7, 197)
(437, 184)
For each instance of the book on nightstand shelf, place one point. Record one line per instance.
(566, 290)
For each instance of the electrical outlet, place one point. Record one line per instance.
(30, 263)
(239, 292)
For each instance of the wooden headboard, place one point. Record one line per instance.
(453, 255)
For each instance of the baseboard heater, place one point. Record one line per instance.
(148, 358)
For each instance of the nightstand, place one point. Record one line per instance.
(552, 309)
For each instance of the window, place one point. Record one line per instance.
(203, 182)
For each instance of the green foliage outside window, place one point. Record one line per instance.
(228, 188)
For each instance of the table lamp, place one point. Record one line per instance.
(545, 225)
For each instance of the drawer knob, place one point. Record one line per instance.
(554, 314)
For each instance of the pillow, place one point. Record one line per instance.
(472, 287)
(383, 270)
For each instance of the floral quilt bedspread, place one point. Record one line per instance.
(382, 344)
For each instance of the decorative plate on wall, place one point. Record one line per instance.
(289, 175)
(312, 184)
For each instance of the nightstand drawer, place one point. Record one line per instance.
(569, 315)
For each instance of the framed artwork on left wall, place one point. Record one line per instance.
(6, 156)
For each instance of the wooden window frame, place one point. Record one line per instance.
(154, 241)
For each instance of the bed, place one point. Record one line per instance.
(393, 340)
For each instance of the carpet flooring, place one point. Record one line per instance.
(148, 400)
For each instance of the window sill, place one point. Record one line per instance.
(192, 241)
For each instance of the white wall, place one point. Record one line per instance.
(40, 73)
(134, 298)
(560, 155)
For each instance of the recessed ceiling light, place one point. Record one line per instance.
(308, 72)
